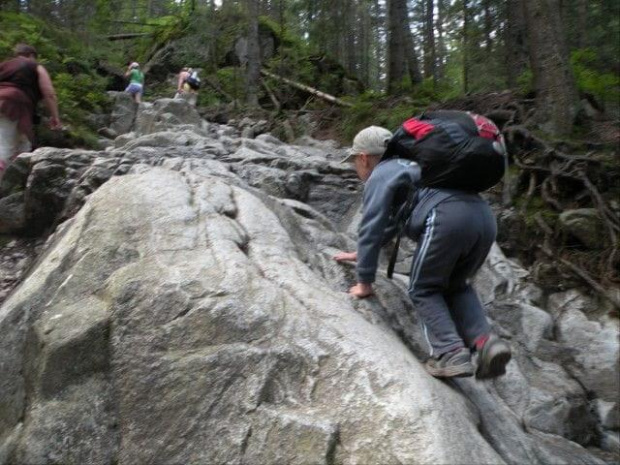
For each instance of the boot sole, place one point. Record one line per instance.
(495, 367)
(460, 371)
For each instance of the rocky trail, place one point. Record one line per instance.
(184, 307)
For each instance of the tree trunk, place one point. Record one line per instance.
(396, 46)
(413, 65)
(441, 44)
(351, 37)
(488, 27)
(516, 41)
(379, 44)
(556, 93)
(364, 45)
(430, 54)
(254, 62)
(332, 13)
(465, 46)
(429, 40)
(582, 23)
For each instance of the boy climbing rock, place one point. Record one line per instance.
(454, 229)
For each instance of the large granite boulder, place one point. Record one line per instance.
(187, 309)
(123, 112)
(175, 320)
(165, 113)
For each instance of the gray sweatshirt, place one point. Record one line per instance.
(385, 197)
(385, 194)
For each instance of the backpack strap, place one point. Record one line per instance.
(412, 198)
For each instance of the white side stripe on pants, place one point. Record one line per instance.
(415, 269)
(428, 341)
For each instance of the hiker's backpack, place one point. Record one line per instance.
(193, 81)
(455, 149)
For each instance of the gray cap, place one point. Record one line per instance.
(372, 141)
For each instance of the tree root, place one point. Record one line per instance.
(563, 181)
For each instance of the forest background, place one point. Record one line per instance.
(548, 70)
(360, 50)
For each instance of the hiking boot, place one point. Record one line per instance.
(452, 364)
(493, 358)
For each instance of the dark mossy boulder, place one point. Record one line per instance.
(584, 224)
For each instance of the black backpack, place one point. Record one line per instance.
(193, 81)
(455, 149)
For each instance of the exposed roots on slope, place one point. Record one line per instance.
(553, 177)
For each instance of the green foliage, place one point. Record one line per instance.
(80, 94)
(525, 82)
(229, 27)
(70, 62)
(196, 44)
(232, 81)
(374, 109)
(208, 98)
(19, 28)
(451, 86)
(166, 28)
(604, 86)
(284, 35)
(293, 63)
(161, 31)
(296, 62)
(99, 22)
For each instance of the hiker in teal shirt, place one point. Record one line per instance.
(136, 81)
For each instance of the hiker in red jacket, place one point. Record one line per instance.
(23, 83)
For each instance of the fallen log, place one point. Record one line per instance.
(153, 55)
(132, 35)
(305, 88)
(274, 100)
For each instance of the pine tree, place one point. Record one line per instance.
(556, 93)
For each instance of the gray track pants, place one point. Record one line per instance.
(457, 237)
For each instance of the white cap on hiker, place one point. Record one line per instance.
(134, 65)
(371, 141)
